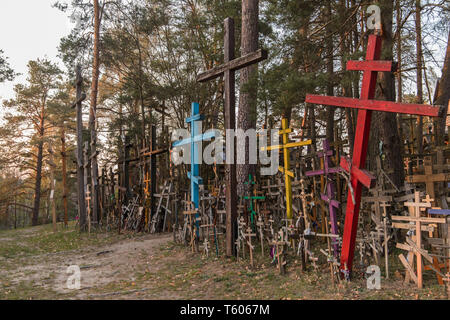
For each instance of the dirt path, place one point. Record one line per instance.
(100, 265)
(33, 265)
(108, 264)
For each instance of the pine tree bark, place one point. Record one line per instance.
(330, 71)
(52, 186)
(248, 91)
(419, 80)
(40, 156)
(399, 52)
(443, 96)
(93, 110)
(399, 63)
(384, 124)
(64, 174)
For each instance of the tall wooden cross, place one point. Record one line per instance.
(329, 197)
(366, 105)
(150, 175)
(429, 178)
(288, 174)
(196, 137)
(80, 165)
(227, 70)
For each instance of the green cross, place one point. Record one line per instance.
(251, 198)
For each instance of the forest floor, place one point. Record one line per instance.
(34, 262)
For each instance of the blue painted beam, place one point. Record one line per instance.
(444, 212)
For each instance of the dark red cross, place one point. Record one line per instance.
(366, 105)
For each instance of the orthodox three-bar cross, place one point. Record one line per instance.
(366, 105)
(329, 197)
(227, 70)
(194, 141)
(288, 174)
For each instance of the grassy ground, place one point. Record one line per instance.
(34, 261)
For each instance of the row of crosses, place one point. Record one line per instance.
(354, 167)
(365, 105)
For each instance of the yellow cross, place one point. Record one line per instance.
(286, 155)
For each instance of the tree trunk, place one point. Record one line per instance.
(399, 63)
(399, 53)
(52, 187)
(419, 81)
(345, 48)
(330, 71)
(64, 174)
(384, 124)
(248, 91)
(40, 156)
(93, 110)
(443, 96)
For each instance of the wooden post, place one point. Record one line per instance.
(64, 174)
(80, 163)
(228, 71)
(102, 195)
(51, 164)
(126, 169)
(152, 171)
(86, 183)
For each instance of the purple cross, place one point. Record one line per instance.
(333, 204)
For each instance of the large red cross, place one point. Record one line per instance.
(366, 104)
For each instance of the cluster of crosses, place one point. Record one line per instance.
(354, 166)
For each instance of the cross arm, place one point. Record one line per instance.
(206, 136)
(439, 177)
(82, 98)
(197, 117)
(315, 173)
(444, 212)
(233, 65)
(363, 176)
(374, 65)
(377, 105)
(322, 172)
(195, 179)
(155, 152)
(288, 145)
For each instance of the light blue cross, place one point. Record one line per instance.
(196, 137)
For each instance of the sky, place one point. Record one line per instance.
(29, 29)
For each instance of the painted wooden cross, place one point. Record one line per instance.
(288, 174)
(429, 178)
(193, 141)
(253, 199)
(446, 242)
(366, 105)
(378, 198)
(329, 197)
(414, 246)
(227, 70)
